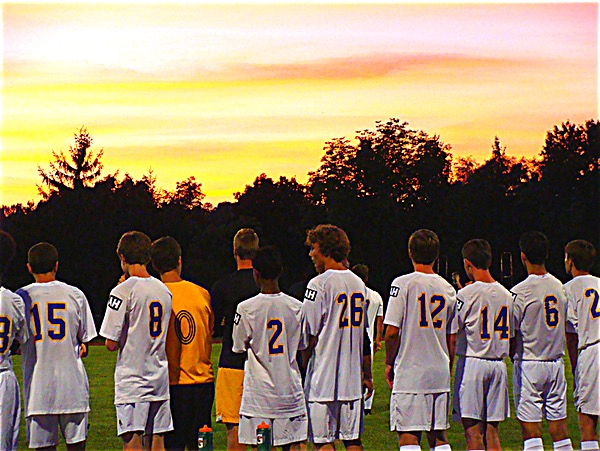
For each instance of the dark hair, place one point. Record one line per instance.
(135, 248)
(42, 258)
(165, 253)
(333, 241)
(582, 253)
(7, 251)
(245, 244)
(478, 252)
(361, 271)
(267, 262)
(424, 247)
(535, 246)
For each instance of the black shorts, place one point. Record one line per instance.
(191, 408)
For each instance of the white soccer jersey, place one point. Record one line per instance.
(334, 309)
(374, 311)
(270, 328)
(423, 307)
(583, 295)
(54, 378)
(484, 313)
(137, 316)
(13, 325)
(539, 312)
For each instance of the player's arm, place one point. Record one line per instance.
(111, 345)
(451, 342)
(306, 353)
(378, 333)
(392, 344)
(367, 375)
(572, 343)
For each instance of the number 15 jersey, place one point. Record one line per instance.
(422, 306)
(137, 317)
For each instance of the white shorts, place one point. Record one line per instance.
(42, 430)
(480, 390)
(419, 412)
(540, 390)
(335, 420)
(284, 431)
(150, 417)
(587, 381)
(10, 410)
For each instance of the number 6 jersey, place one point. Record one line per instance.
(54, 378)
(137, 317)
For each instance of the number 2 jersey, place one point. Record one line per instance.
(137, 317)
(335, 313)
(422, 306)
(539, 312)
(54, 378)
(583, 295)
(270, 327)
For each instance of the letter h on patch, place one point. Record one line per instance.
(310, 295)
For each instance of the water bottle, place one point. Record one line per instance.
(263, 437)
(205, 438)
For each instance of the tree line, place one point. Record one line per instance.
(379, 187)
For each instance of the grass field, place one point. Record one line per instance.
(377, 436)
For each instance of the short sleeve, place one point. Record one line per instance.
(396, 305)
(116, 312)
(87, 328)
(312, 308)
(241, 331)
(518, 307)
(452, 325)
(571, 311)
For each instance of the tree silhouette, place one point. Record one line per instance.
(80, 168)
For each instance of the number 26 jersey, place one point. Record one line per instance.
(137, 317)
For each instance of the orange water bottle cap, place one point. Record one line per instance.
(205, 428)
(263, 425)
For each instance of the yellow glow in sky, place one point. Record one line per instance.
(226, 92)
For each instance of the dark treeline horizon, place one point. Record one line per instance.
(393, 181)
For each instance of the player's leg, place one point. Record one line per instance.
(42, 432)
(350, 426)
(497, 405)
(158, 423)
(587, 395)
(10, 410)
(409, 441)
(155, 442)
(181, 409)
(74, 428)
(492, 437)
(229, 388)
(532, 435)
(473, 433)
(560, 434)
(555, 407)
(132, 441)
(528, 382)
(323, 424)
(439, 405)
(588, 425)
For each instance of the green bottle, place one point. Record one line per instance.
(205, 438)
(263, 437)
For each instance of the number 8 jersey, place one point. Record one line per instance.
(137, 317)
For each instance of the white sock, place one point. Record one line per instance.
(589, 445)
(410, 448)
(445, 447)
(563, 445)
(533, 444)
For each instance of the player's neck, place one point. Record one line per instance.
(171, 276)
(45, 278)
(330, 263)
(575, 272)
(137, 270)
(426, 269)
(536, 270)
(269, 286)
(483, 275)
(243, 264)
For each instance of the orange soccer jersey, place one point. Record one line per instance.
(189, 338)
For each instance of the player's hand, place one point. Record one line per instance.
(389, 375)
(377, 347)
(83, 350)
(368, 386)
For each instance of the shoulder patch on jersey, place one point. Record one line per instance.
(459, 304)
(310, 295)
(237, 318)
(394, 291)
(514, 295)
(114, 302)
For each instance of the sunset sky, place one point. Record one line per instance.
(224, 92)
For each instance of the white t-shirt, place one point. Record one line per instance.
(334, 307)
(583, 296)
(270, 327)
(13, 325)
(137, 316)
(484, 314)
(54, 378)
(374, 311)
(539, 312)
(423, 307)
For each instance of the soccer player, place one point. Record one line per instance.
(419, 347)
(375, 321)
(537, 348)
(583, 337)
(338, 355)
(226, 294)
(13, 329)
(189, 344)
(55, 383)
(135, 324)
(484, 311)
(270, 327)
